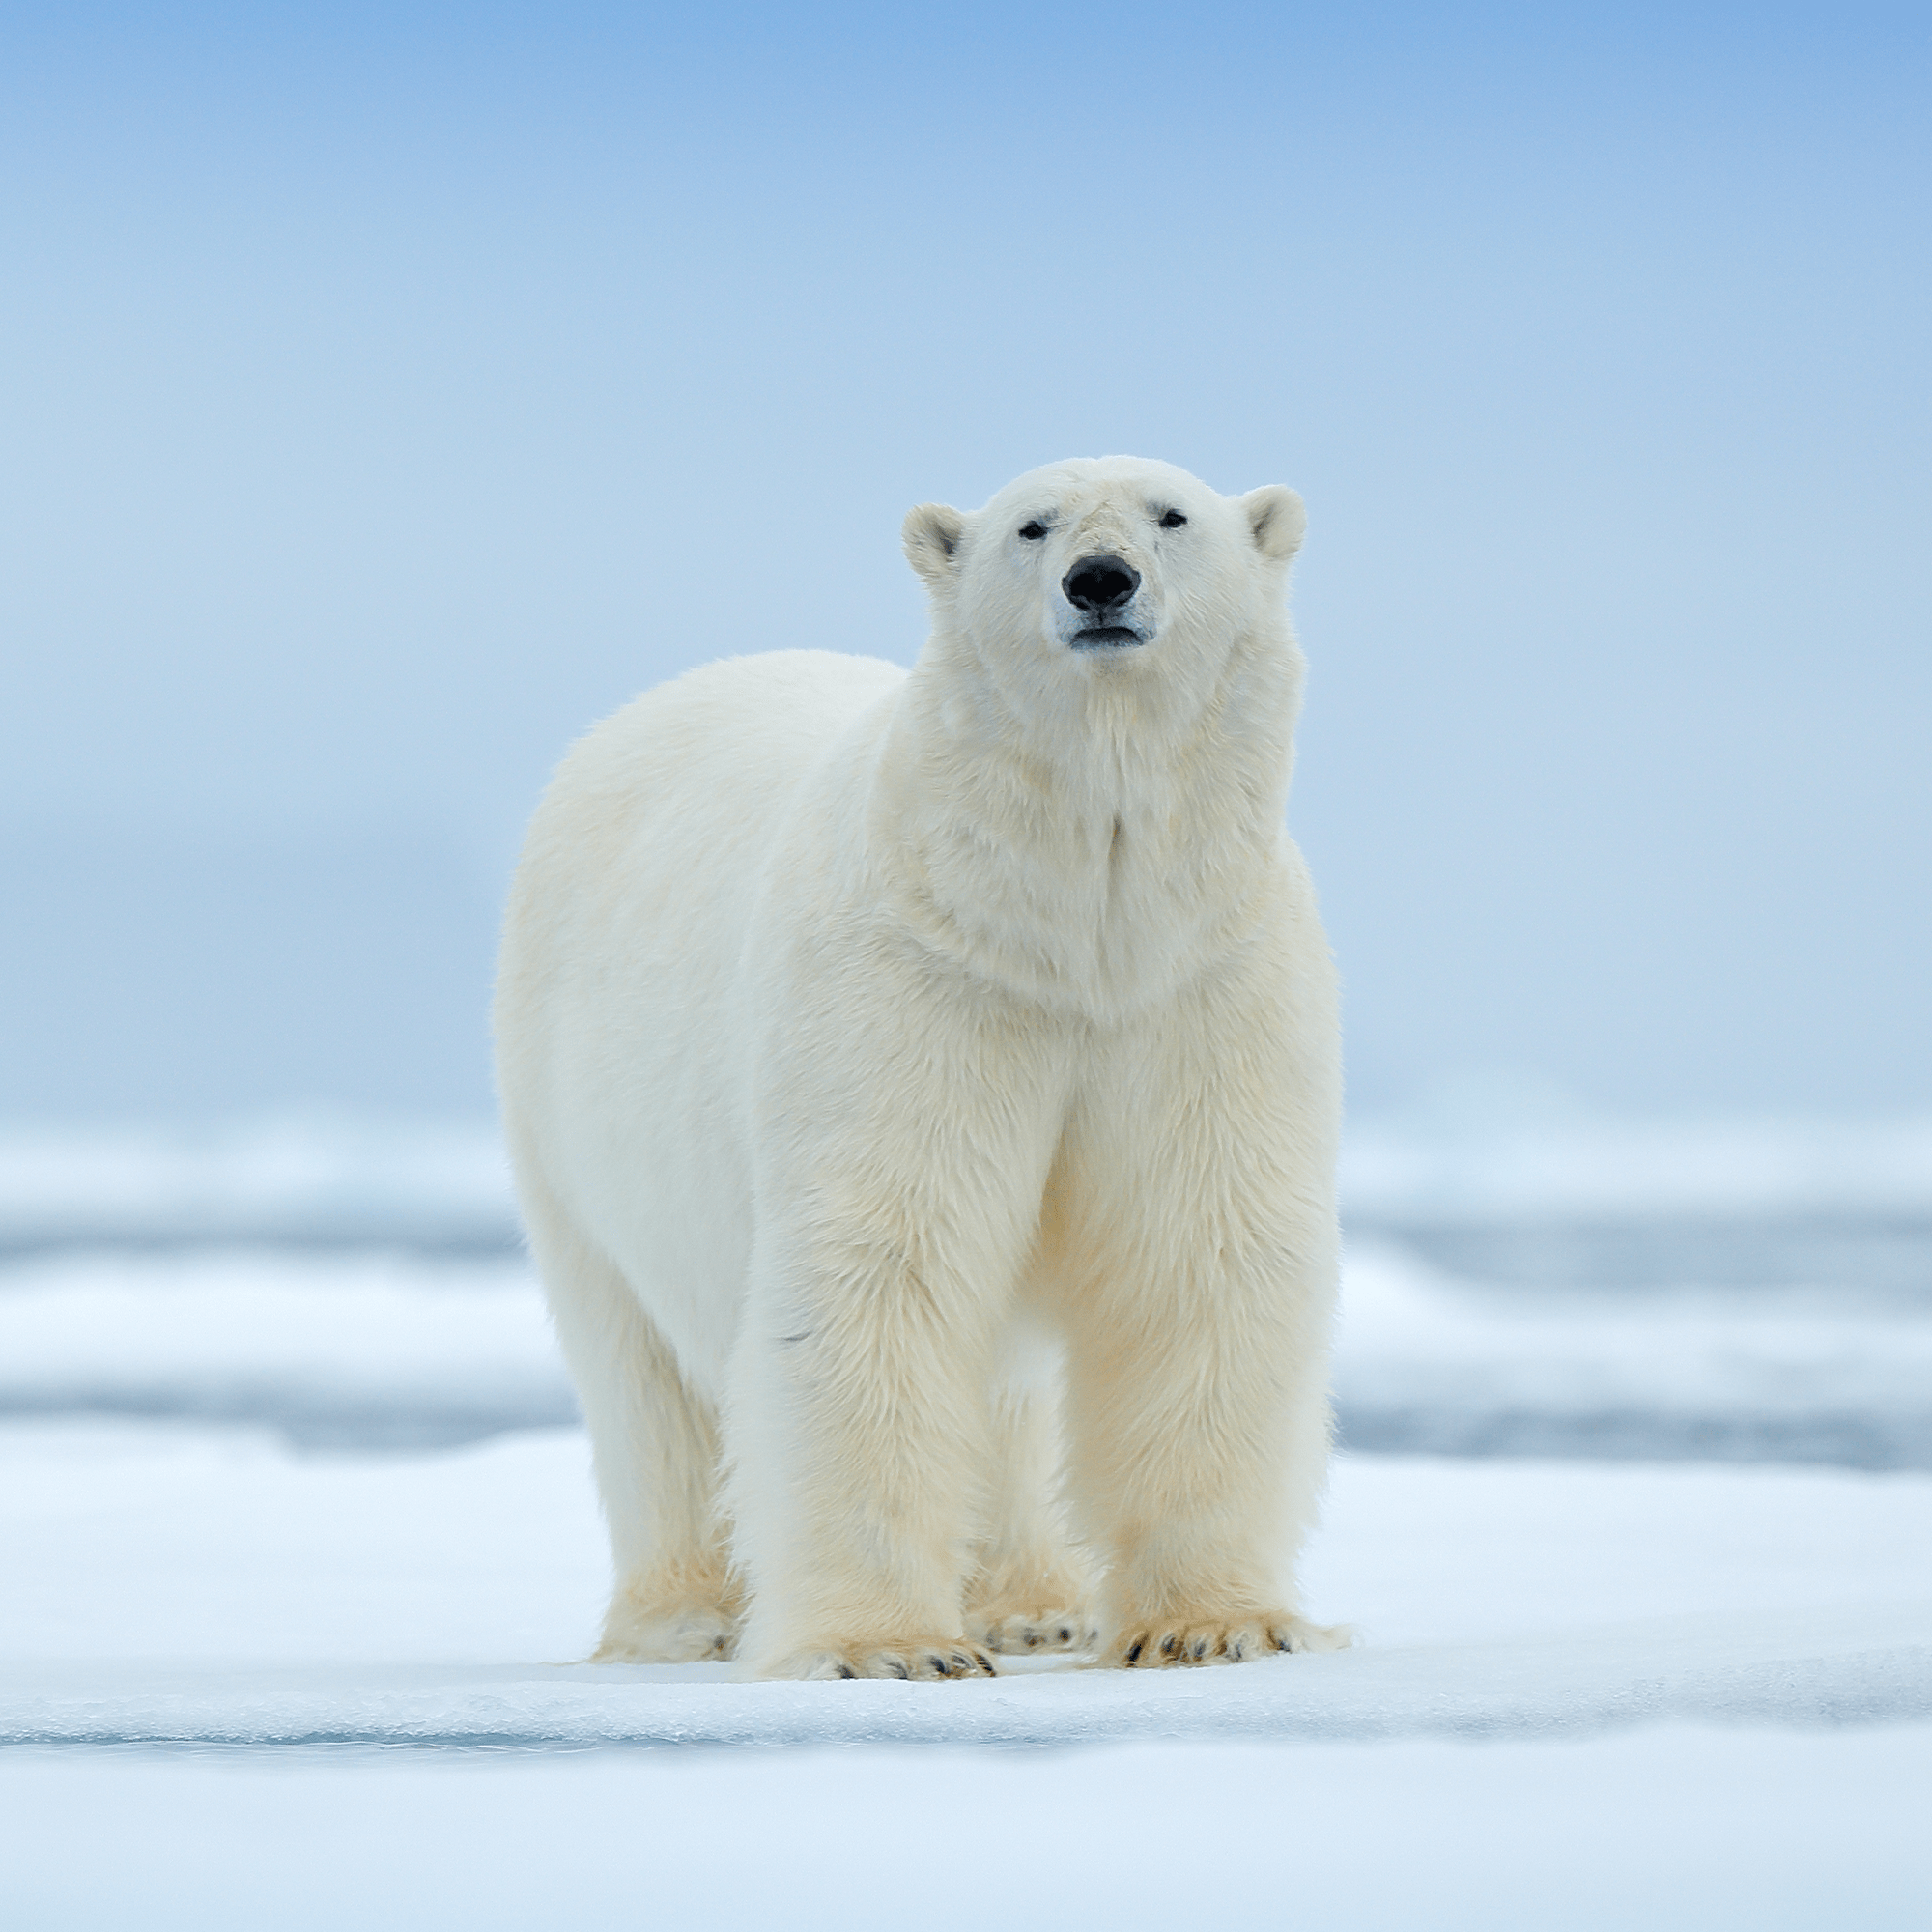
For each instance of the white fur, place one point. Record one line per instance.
(871, 1041)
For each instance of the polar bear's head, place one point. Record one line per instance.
(1111, 569)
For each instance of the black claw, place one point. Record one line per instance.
(1063, 1634)
(847, 1670)
(898, 1668)
(1134, 1655)
(1170, 1645)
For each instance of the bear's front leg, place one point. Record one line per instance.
(896, 1208)
(853, 1447)
(1198, 1279)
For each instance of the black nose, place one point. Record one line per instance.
(1098, 585)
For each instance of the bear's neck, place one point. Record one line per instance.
(1098, 855)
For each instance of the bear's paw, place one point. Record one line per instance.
(1145, 1643)
(922, 1658)
(701, 1633)
(1036, 1630)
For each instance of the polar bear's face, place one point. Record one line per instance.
(1111, 568)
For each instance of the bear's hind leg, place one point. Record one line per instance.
(1032, 1590)
(654, 1444)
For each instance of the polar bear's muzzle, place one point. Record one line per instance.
(1101, 589)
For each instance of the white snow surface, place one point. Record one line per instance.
(338, 1179)
(1534, 1165)
(303, 1339)
(182, 1584)
(1706, 1829)
(1412, 1338)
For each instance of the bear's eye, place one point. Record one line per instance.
(1172, 520)
(1033, 532)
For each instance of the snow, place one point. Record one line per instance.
(1427, 1362)
(1709, 1831)
(333, 1182)
(285, 1598)
(1528, 1163)
(242, 1685)
(371, 1347)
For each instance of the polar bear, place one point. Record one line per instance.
(922, 1091)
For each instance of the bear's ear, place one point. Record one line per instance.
(931, 534)
(1276, 521)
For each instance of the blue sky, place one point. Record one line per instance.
(390, 392)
